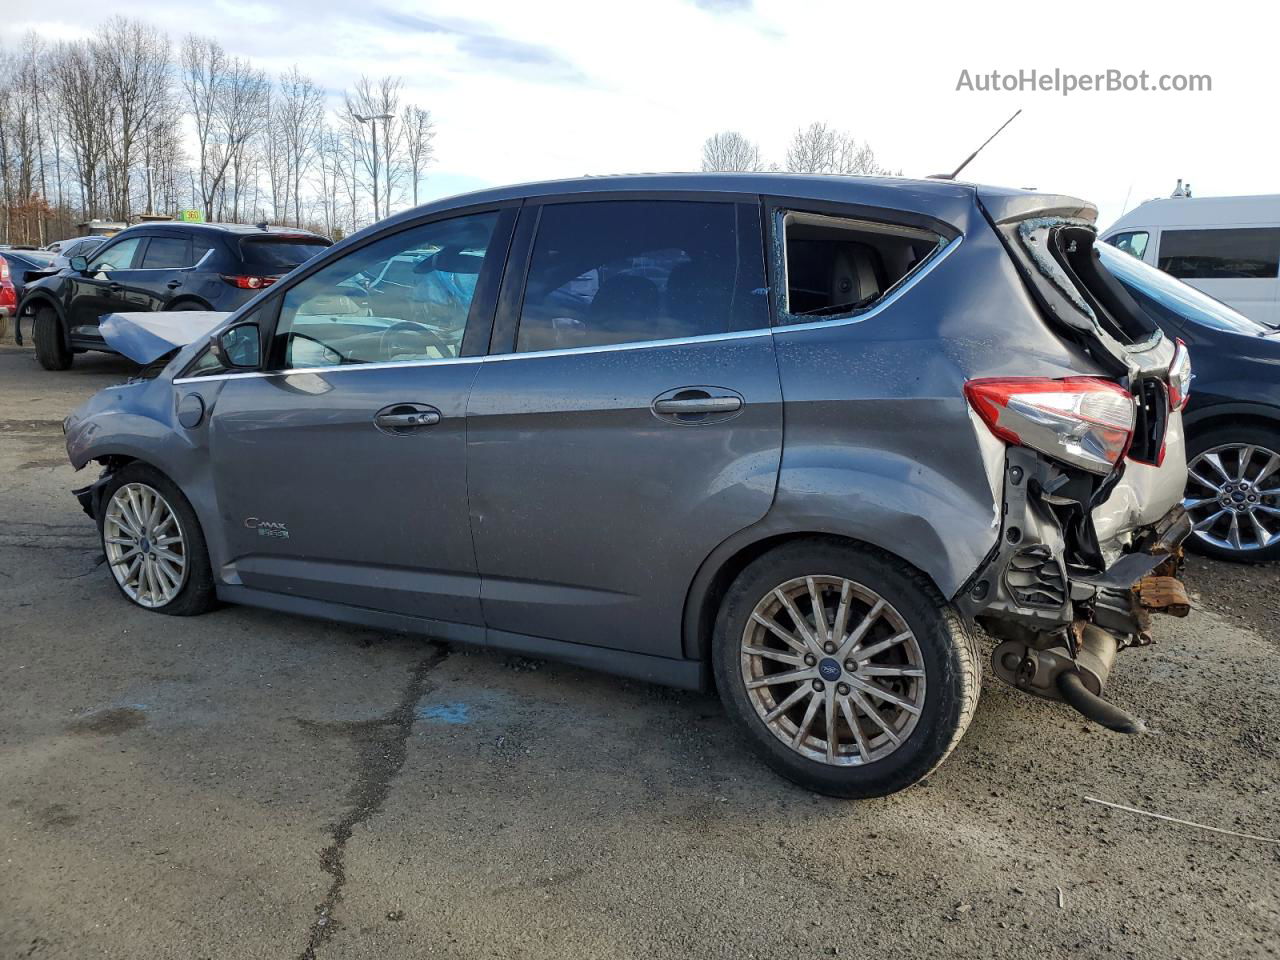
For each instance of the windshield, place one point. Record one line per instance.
(1173, 295)
(268, 256)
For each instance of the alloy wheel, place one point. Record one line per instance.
(1233, 496)
(144, 544)
(833, 670)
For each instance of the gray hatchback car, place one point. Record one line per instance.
(799, 437)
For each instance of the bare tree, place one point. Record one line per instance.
(229, 100)
(819, 148)
(370, 106)
(419, 143)
(730, 151)
(299, 115)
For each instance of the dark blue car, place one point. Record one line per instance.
(1232, 420)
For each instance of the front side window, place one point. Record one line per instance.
(343, 314)
(115, 256)
(619, 271)
(167, 253)
(1221, 254)
(1133, 243)
(840, 267)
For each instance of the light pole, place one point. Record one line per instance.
(372, 120)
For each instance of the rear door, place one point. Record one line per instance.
(161, 272)
(629, 419)
(340, 469)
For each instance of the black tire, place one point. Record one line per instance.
(946, 648)
(186, 305)
(196, 594)
(1265, 440)
(51, 349)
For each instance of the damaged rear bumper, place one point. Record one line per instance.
(1060, 622)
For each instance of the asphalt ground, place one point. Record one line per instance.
(249, 784)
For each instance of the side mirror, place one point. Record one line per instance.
(239, 348)
(79, 264)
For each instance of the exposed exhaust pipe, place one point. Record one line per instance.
(1079, 682)
(1075, 693)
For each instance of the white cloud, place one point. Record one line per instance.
(560, 88)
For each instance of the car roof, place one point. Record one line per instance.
(1201, 211)
(238, 229)
(947, 200)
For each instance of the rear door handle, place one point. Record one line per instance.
(403, 418)
(174, 284)
(699, 405)
(115, 287)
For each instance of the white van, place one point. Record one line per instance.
(1229, 247)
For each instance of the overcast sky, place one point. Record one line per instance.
(535, 90)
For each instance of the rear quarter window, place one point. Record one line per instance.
(272, 256)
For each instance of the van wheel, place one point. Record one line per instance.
(846, 669)
(1233, 493)
(51, 351)
(153, 543)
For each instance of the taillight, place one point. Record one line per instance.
(249, 283)
(1083, 421)
(1180, 378)
(4, 270)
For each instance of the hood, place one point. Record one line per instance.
(145, 337)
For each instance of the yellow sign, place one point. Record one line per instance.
(192, 216)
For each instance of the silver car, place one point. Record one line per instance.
(805, 438)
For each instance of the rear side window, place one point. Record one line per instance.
(1222, 254)
(274, 256)
(1133, 243)
(623, 271)
(166, 253)
(840, 267)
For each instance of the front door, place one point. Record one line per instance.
(102, 287)
(340, 470)
(631, 424)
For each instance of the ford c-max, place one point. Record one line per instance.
(802, 438)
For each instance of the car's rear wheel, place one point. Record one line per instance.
(51, 349)
(1233, 493)
(153, 543)
(848, 671)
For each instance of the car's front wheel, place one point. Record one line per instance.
(847, 670)
(1233, 493)
(153, 543)
(51, 350)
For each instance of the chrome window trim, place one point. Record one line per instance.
(336, 368)
(893, 297)
(632, 345)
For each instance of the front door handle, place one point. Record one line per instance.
(697, 405)
(687, 405)
(403, 418)
(115, 287)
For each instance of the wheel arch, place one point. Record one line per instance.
(31, 302)
(721, 568)
(1220, 414)
(177, 303)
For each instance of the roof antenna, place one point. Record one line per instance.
(955, 173)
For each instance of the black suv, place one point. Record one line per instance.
(158, 266)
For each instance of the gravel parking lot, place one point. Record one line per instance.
(247, 784)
